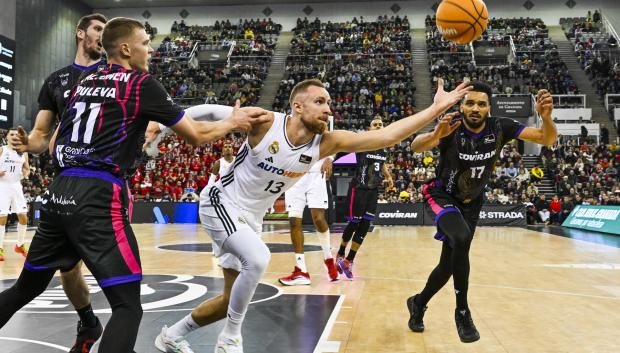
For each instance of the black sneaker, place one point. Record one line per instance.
(416, 315)
(86, 337)
(465, 326)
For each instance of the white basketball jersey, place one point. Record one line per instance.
(260, 175)
(225, 166)
(11, 163)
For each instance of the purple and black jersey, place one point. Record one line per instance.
(106, 117)
(54, 92)
(369, 169)
(466, 159)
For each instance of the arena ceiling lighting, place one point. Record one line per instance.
(103, 4)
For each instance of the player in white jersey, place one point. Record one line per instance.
(274, 156)
(13, 168)
(311, 190)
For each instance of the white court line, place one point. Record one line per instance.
(323, 343)
(64, 349)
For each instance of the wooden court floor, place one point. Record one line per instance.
(529, 291)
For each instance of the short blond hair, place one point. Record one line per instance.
(118, 28)
(302, 87)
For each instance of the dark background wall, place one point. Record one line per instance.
(45, 43)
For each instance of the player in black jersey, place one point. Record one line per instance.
(362, 201)
(468, 150)
(53, 96)
(86, 210)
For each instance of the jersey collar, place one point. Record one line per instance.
(86, 68)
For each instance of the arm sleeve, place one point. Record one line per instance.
(157, 105)
(510, 128)
(209, 112)
(46, 96)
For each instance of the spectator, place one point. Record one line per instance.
(555, 207)
(537, 174)
(542, 205)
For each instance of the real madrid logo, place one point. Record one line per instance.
(241, 220)
(274, 147)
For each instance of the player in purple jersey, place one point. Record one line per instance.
(86, 210)
(53, 97)
(468, 151)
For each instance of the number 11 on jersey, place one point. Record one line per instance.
(80, 108)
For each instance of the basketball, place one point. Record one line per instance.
(462, 21)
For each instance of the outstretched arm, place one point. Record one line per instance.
(347, 141)
(547, 134)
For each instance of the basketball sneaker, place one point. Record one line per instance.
(229, 345)
(167, 344)
(22, 249)
(86, 337)
(416, 315)
(345, 266)
(1, 254)
(465, 326)
(297, 278)
(331, 269)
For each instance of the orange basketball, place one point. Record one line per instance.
(462, 21)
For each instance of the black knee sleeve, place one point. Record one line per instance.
(361, 231)
(347, 234)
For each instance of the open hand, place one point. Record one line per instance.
(445, 126)
(444, 100)
(243, 118)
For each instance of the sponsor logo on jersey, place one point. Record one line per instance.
(275, 170)
(305, 159)
(274, 147)
(500, 215)
(117, 76)
(477, 156)
(489, 138)
(376, 156)
(269, 159)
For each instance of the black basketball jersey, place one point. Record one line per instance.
(54, 93)
(368, 171)
(467, 159)
(106, 117)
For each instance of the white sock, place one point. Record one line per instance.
(232, 328)
(301, 262)
(2, 231)
(21, 233)
(325, 244)
(182, 327)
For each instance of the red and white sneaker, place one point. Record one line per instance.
(297, 278)
(22, 249)
(331, 269)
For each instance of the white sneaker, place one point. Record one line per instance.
(229, 345)
(169, 345)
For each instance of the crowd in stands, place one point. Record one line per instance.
(241, 77)
(537, 64)
(366, 67)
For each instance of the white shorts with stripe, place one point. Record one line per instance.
(12, 199)
(221, 218)
(310, 190)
